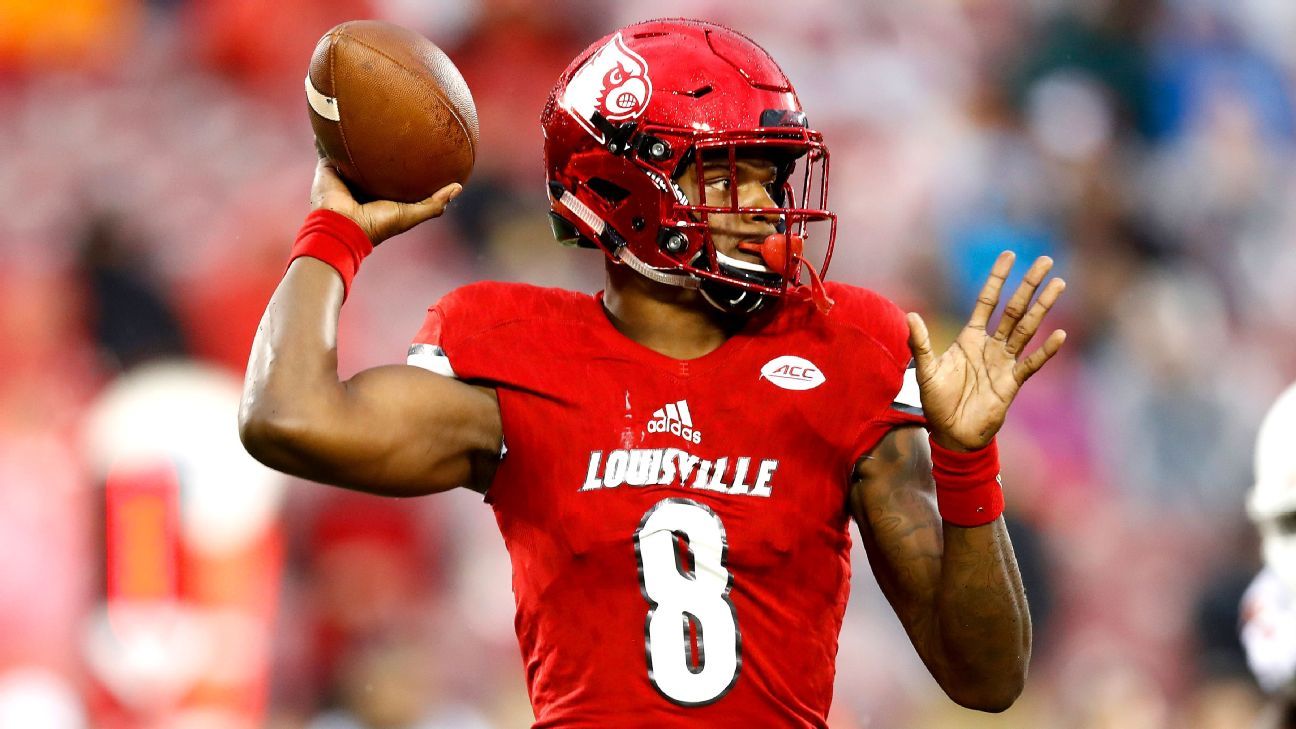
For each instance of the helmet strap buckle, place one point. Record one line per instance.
(617, 135)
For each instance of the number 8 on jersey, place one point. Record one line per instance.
(684, 598)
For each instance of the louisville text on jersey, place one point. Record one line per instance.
(666, 466)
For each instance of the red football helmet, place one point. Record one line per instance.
(634, 109)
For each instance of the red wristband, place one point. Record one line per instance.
(334, 239)
(968, 493)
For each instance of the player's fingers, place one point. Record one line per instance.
(1032, 364)
(988, 299)
(920, 345)
(1020, 302)
(326, 182)
(1026, 328)
(408, 215)
(434, 206)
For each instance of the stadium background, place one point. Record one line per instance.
(154, 164)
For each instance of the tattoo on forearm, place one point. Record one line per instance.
(957, 591)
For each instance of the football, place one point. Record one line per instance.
(391, 111)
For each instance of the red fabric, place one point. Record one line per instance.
(334, 239)
(573, 394)
(967, 484)
(882, 322)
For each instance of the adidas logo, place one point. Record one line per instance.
(674, 418)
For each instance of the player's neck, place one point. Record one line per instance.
(673, 321)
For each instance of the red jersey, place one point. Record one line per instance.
(678, 529)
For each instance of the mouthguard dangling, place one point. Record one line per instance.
(782, 252)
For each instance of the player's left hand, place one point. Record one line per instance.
(967, 390)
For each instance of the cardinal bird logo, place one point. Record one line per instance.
(625, 93)
(614, 82)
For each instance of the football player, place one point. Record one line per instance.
(674, 462)
(1269, 605)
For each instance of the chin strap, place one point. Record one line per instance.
(780, 249)
(683, 280)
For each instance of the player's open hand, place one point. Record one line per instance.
(967, 390)
(380, 219)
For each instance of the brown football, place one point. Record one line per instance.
(390, 111)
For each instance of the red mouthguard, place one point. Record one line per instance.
(775, 250)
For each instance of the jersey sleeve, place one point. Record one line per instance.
(507, 336)
(454, 340)
(879, 352)
(893, 334)
(906, 406)
(426, 350)
(451, 341)
(881, 320)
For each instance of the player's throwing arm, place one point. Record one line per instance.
(394, 430)
(392, 112)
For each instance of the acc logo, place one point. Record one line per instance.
(792, 373)
(613, 82)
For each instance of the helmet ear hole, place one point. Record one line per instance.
(608, 190)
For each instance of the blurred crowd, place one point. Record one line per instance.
(156, 162)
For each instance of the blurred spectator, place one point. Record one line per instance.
(1103, 40)
(1268, 608)
(132, 321)
(370, 574)
(384, 685)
